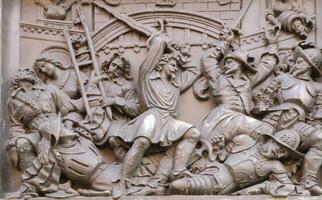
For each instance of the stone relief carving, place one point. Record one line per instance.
(55, 9)
(262, 135)
(288, 15)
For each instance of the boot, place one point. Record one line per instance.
(312, 164)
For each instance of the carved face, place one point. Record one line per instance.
(170, 69)
(46, 70)
(273, 150)
(299, 28)
(231, 66)
(27, 85)
(301, 67)
(116, 68)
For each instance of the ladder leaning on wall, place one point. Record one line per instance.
(92, 61)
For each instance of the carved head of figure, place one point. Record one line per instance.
(117, 67)
(168, 66)
(307, 59)
(24, 78)
(78, 40)
(235, 62)
(45, 68)
(281, 145)
(52, 63)
(299, 27)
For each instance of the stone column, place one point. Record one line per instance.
(318, 8)
(1, 109)
(9, 64)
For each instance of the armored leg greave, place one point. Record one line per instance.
(201, 184)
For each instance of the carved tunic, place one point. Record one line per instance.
(101, 128)
(233, 98)
(27, 109)
(124, 89)
(160, 98)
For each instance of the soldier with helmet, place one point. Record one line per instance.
(295, 95)
(231, 85)
(247, 166)
(34, 108)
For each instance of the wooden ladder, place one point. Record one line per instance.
(92, 61)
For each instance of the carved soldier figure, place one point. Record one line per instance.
(296, 94)
(36, 125)
(231, 86)
(248, 166)
(121, 97)
(160, 87)
(32, 107)
(287, 14)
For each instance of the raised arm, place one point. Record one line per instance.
(269, 59)
(210, 70)
(188, 76)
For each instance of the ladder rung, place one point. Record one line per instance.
(85, 62)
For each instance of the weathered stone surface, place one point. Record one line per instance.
(227, 90)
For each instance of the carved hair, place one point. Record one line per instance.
(125, 62)
(24, 74)
(36, 65)
(164, 60)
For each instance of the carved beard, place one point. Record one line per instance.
(114, 74)
(172, 76)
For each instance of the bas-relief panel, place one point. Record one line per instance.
(100, 81)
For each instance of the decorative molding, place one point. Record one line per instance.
(37, 31)
(176, 19)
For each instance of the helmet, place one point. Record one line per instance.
(311, 54)
(242, 57)
(289, 139)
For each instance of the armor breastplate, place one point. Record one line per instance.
(243, 166)
(297, 91)
(80, 160)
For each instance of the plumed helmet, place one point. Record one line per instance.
(310, 54)
(289, 139)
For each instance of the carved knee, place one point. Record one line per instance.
(193, 134)
(316, 139)
(142, 143)
(23, 145)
